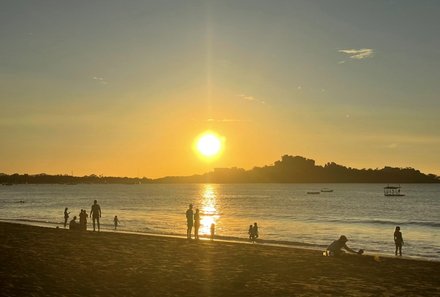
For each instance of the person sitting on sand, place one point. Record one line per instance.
(66, 216)
(95, 213)
(73, 225)
(189, 221)
(335, 248)
(398, 241)
(116, 221)
(196, 224)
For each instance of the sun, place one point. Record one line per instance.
(209, 145)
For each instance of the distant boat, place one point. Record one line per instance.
(326, 190)
(392, 191)
(313, 192)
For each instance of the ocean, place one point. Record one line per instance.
(285, 213)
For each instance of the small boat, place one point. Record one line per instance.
(313, 192)
(392, 191)
(326, 190)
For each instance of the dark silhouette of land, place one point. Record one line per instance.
(289, 169)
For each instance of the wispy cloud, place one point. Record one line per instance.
(357, 54)
(100, 80)
(251, 98)
(391, 146)
(226, 120)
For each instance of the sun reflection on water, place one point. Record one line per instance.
(208, 210)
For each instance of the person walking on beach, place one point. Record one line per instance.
(66, 216)
(116, 221)
(95, 214)
(398, 241)
(196, 224)
(189, 221)
(335, 248)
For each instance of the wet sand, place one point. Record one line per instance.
(38, 261)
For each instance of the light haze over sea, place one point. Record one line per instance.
(284, 212)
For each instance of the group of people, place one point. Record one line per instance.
(95, 214)
(193, 220)
(337, 246)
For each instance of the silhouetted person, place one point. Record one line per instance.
(66, 216)
(95, 213)
(398, 240)
(251, 233)
(83, 219)
(335, 248)
(255, 231)
(196, 224)
(73, 225)
(116, 221)
(212, 231)
(86, 215)
(189, 221)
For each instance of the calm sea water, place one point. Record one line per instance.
(284, 212)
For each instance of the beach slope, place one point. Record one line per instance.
(39, 261)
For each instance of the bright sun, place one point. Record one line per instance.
(209, 144)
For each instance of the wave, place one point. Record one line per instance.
(387, 222)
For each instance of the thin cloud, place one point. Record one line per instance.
(391, 146)
(251, 98)
(358, 54)
(100, 80)
(226, 120)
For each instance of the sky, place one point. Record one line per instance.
(123, 88)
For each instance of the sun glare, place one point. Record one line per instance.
(209, 145)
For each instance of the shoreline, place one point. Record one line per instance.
(42, 261)
(233, 240)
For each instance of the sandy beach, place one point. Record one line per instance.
(38, 261)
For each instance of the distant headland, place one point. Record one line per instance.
(290, 169)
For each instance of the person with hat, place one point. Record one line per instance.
(335, 248)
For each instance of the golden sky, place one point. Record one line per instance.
(123, 89)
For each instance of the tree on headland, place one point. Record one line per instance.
(290, 169)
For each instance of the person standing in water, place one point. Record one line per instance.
(116, 221)
(189, 221)
(212, 231)
(95, 214)
(196, 224)
(66, 216)
(398, 241)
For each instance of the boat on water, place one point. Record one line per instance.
(326, 190)
(313, 192)
(392, 191)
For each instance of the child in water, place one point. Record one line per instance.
(398, 241)
(116, 221)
